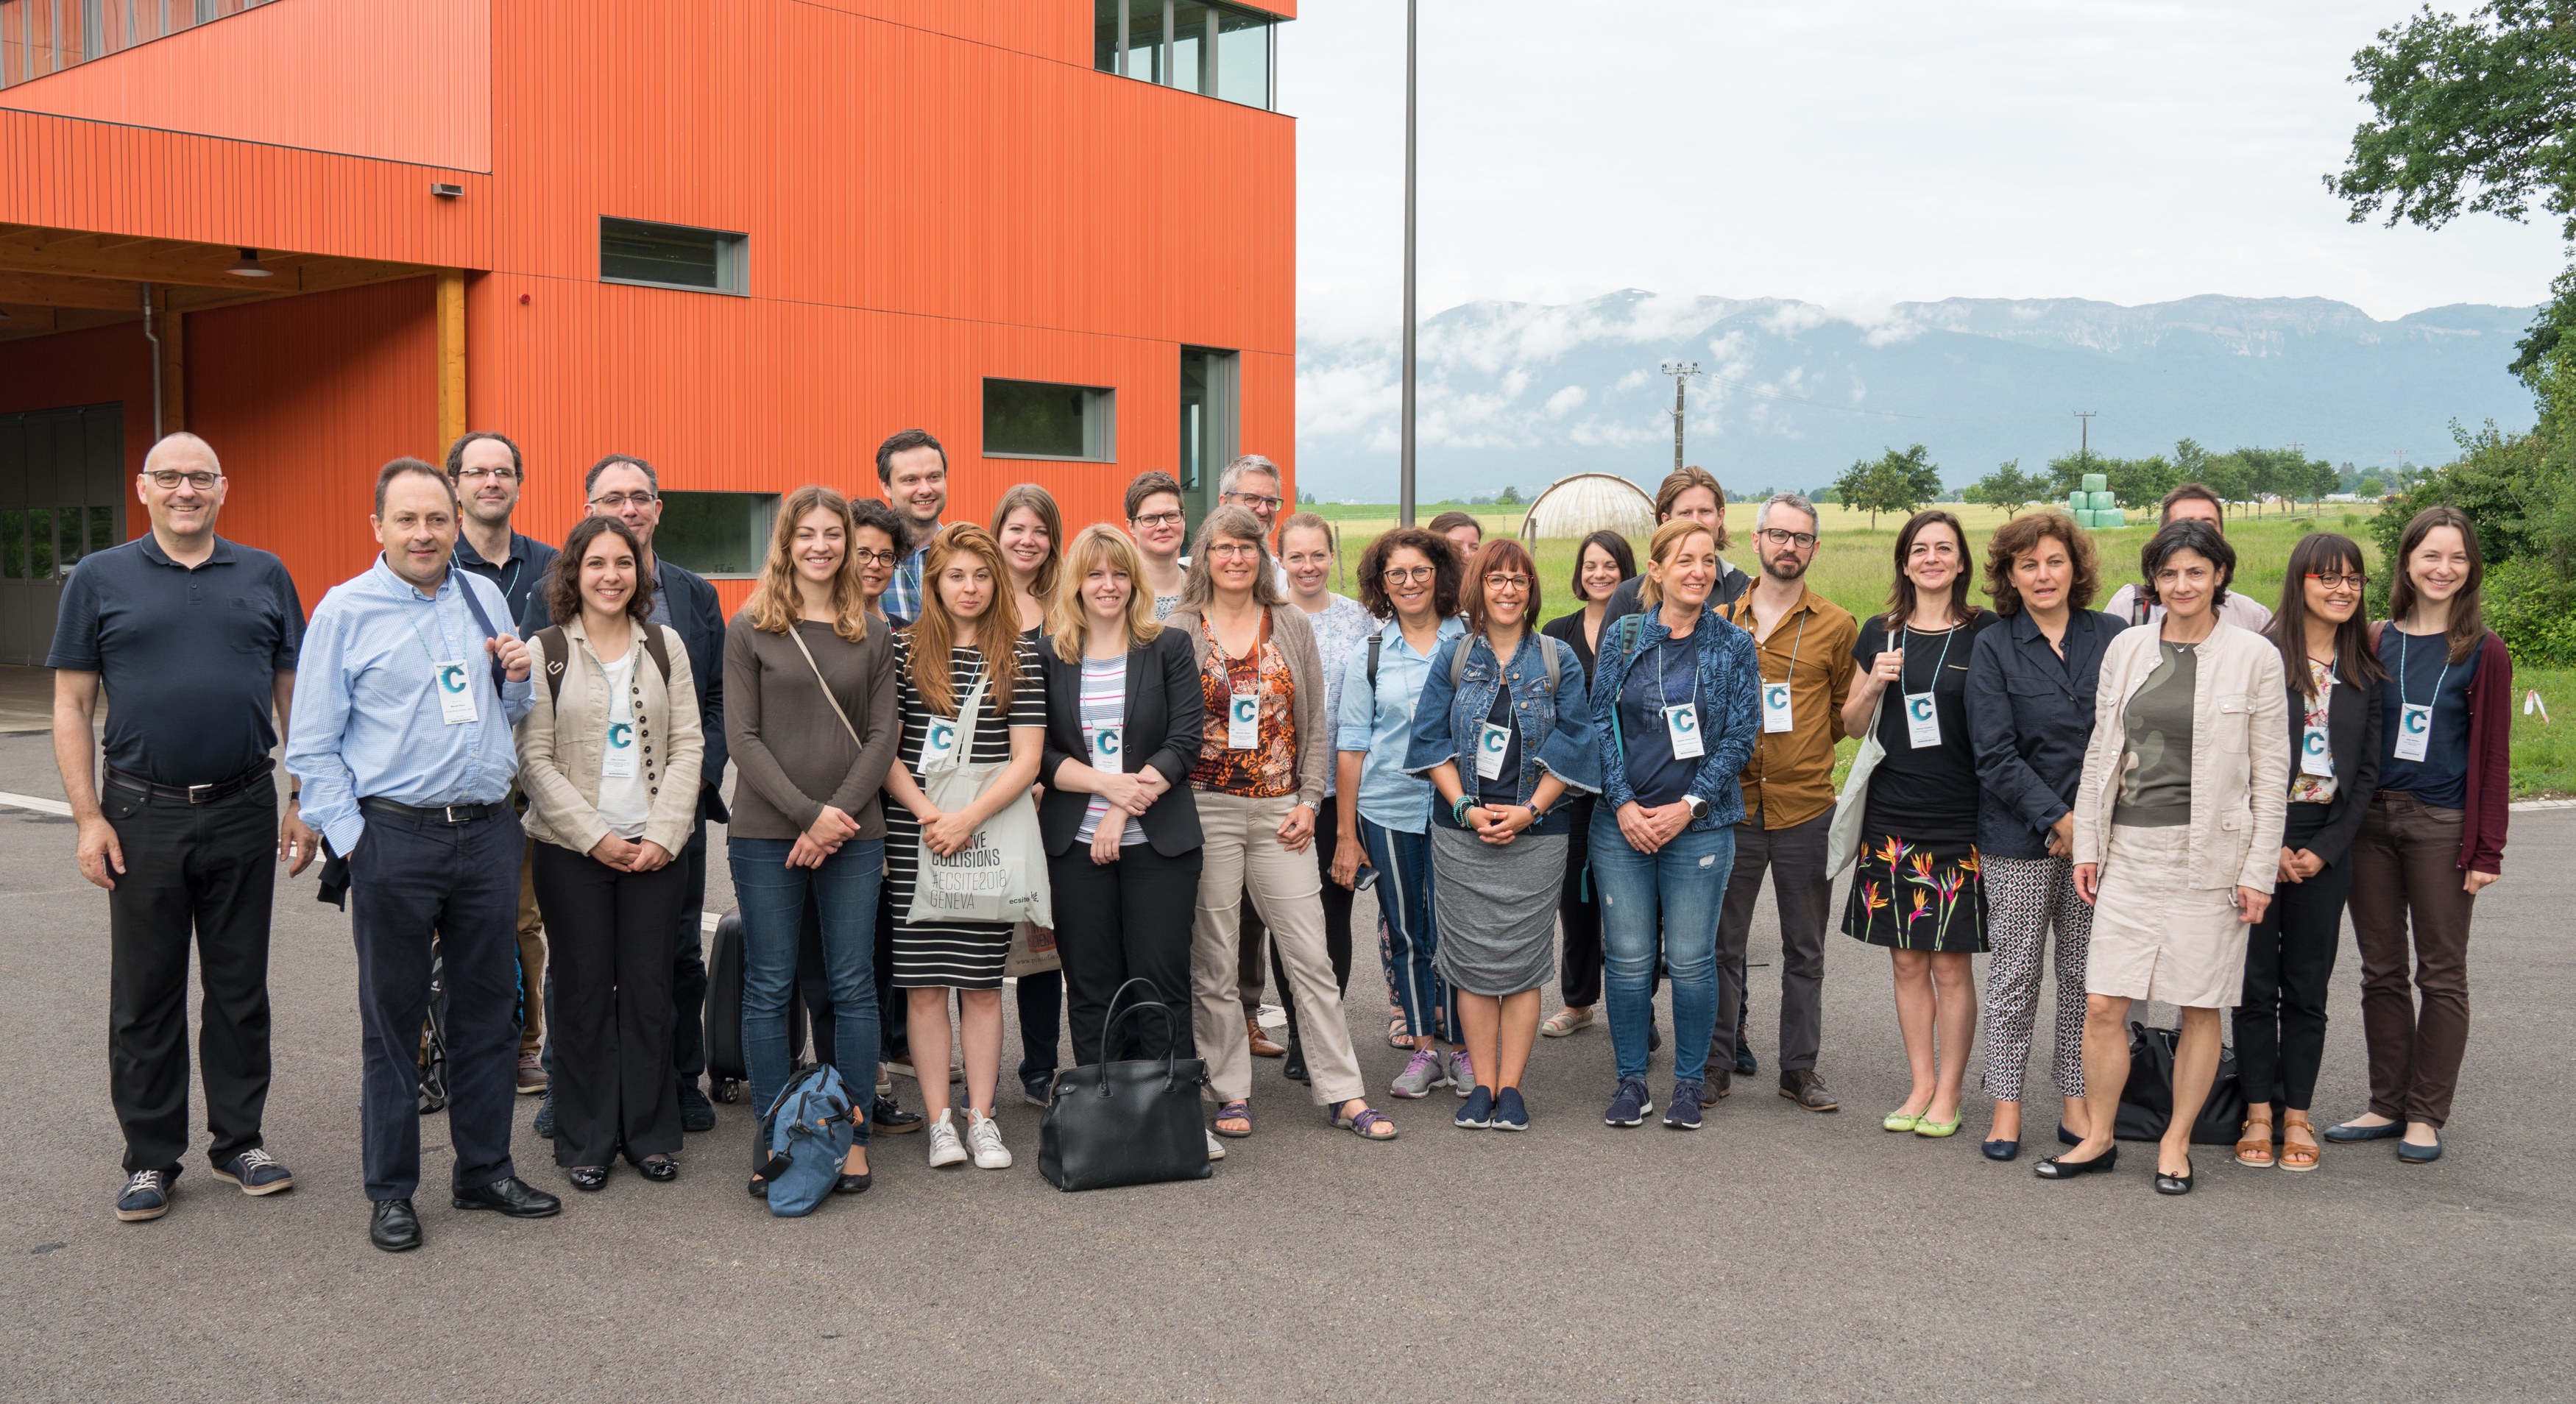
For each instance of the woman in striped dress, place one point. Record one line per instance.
(966, 637)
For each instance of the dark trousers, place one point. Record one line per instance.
(1041, 1002)
(611, 956)
(1578, 911)
(1250, 936)
(2405, 873)
(1337, 930)
(407, 879)
(689, 961)
(207, 872)
(2289, 960)
(1120, 921)
(1803, 893)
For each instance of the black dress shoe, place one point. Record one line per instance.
(512, 1196)
(889, 1116)
(852, 1184)
(660, 1169)
(588, 1179)
(1295, 1068)
(2175, 1184)
(2058, 1167)
(394, 1227)
(759, 1187)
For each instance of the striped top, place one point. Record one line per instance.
(1104, 709)
(966, 955)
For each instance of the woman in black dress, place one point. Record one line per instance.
(1600, 564)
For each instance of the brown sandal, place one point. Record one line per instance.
(2298, 1155)
(2253, 1147)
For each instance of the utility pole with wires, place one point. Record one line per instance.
(2084, 441)
(1681, 372)
(1404, 465)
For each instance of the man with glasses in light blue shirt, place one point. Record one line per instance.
(402, 737)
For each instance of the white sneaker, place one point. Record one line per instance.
(944, 1150)
(1216, 1148)
(985, 1139)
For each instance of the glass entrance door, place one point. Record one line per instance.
(1209, 432)
(62, 496)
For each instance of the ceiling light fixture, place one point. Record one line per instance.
(247, 266)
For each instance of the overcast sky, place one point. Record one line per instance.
(1856, 154)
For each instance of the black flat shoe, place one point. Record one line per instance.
(394, 1227)
(2058, 1167)
(512, 1196)
(588, 1178)
(2175, 1184)
(759, 1188)
(2348, 1132)
(660, 1169)
(888, 1116)
(852, 1184)
(2000, 1150)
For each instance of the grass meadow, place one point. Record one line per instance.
(1857, 561)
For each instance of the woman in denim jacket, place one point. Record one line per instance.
(1516, 719)
(1676, 688)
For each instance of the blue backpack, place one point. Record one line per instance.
(809, 1130)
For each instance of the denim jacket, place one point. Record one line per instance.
(1557, 732)
(1728, 698)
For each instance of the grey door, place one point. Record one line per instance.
(62, 495)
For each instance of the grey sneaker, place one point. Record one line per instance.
(1425, 1070)
(945, 1149)
(985, 1140)
(1462, 1072)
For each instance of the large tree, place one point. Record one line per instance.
(1899, 482)
(2008, 487)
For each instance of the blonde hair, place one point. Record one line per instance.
(1668, 538)
(1068, 616)
(996, 632)
(775, 604)
(1041, 502)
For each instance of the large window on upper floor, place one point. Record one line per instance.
(1218, 50)
(674, 256)
(1037, 419)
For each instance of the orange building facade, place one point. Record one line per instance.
(741, 239)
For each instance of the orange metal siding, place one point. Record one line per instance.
(400, 82)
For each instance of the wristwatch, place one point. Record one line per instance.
(1698, 808)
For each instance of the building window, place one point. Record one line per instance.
(716, 534)
(673, 256)
(1218, 50)
(1033, 419)
(1210, 424)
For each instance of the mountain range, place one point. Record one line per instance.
(1790, 393)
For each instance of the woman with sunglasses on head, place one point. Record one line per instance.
(1600, 564)
(2323, 634)
(1505, 730)
(1309, 551)
(1030, 531)
(2434, 836)
(2177, 834)
(965, 649)
(1259, 776)
(1918, 888)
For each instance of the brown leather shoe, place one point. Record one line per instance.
(1262, 1047)
(1802, 1086)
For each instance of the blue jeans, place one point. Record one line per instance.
(1674, 894)
(1403, 863)
(772, 897)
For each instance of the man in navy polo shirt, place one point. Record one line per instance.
(193, 640)
(485, 469)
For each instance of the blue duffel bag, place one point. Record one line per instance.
(808, 1131)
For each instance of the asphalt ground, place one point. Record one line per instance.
(1776, 1254)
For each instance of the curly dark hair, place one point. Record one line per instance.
(1448, 572)
(2021, 536)
(562, 582)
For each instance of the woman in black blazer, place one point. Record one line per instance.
(1124, 717)
(2334, 679)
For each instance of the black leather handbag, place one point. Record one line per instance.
(1126, 1123)
(2146, 1104)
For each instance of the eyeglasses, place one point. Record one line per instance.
(167, 479)
(1158, 519)
(498, 475)
(2354, 581)
(1412, 575)
(1499, 581)
(616, 500)
(1234, 550)
(1254, 499)
(874, 558)
(1800, 539)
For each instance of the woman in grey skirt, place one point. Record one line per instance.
(1503, 732)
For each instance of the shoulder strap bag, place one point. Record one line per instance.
(1000, 876)
(1842, 837)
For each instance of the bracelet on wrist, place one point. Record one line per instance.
(1458, 811)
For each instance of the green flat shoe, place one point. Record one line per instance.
(1902, 1121)
(1926, 1126)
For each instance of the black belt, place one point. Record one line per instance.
(193, 794)
(433, 814)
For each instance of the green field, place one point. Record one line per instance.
(1857, 561)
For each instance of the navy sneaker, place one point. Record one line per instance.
(1477, 1112)
(545, 1123)
(1037, 1087)
(257, 1172)
(1509, 1112)
(146, 1195)
(1745, 1065)
(1630, 1104)
(1683, 1114)
(696, 1112)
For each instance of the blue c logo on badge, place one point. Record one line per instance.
(1107, 742)
(2315, 742)
(1495, 740)
(1684, 719)
(1920, 708)
(2417, 719)
(620, 736)
(1775, 695)
(943, 734)
(1247, 709)
(451, 676)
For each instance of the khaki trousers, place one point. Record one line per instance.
(1243, 855)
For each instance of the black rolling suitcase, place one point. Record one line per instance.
(725, 1067)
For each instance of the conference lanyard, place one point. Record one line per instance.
(2414, 719)
(2316, 749)
(1775, 695)
(1922, 718)
(1681, 719)
(449, 677)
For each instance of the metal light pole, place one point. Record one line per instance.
(1681, 372)
(1404, 500)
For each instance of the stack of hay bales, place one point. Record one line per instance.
(2093, 506)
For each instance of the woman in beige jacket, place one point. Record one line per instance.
(2177, 837)
(609, 758)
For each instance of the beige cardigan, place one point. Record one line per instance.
(560, 745)
(1296, 640)
(2240, 755)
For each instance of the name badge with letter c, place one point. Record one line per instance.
(1775, 707)
(938, 741)
(1243, 721)
(2316, 757)
(1922, 720)
(1492, 743)
(2414, 731)
(1681, 725)
(455, 693)
(617, 758)
(1109, 749)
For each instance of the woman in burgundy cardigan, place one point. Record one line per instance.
(2434, 837)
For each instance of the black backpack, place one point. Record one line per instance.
(556, 647)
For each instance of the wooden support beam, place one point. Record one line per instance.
(451, 357)
(57, 290)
